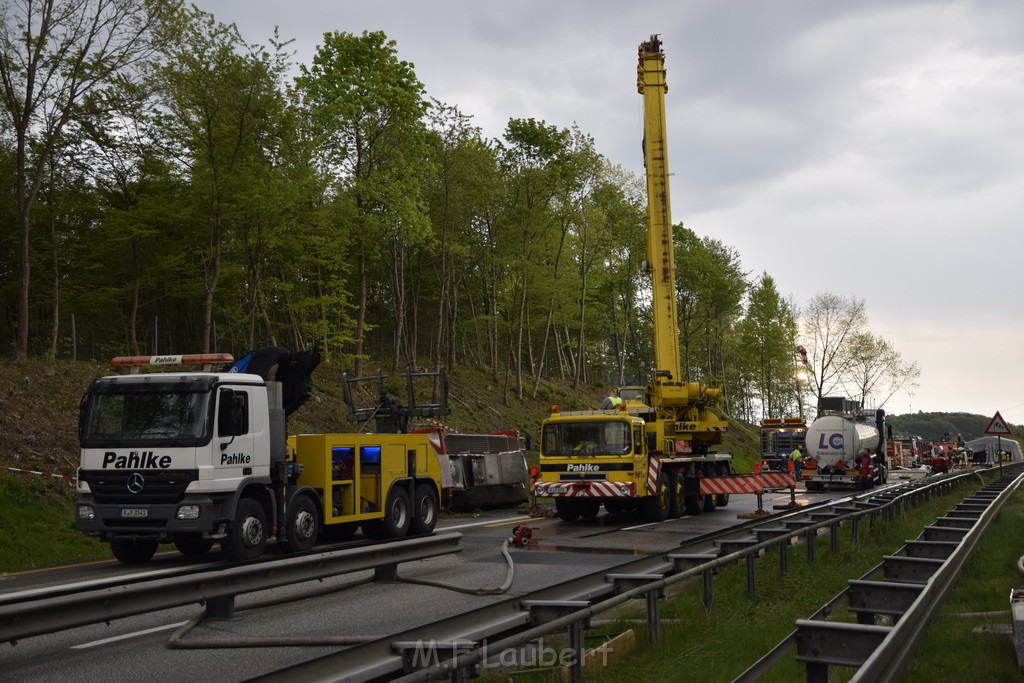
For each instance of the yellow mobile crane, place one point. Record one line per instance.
(651, 453)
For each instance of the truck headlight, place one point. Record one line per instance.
(86, 512)
(188, 512)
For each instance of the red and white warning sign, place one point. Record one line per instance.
(997, 427)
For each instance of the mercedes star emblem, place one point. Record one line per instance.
(136, 482)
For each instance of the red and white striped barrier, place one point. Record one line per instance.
(747, 483)
(67, 477)
(653, 471)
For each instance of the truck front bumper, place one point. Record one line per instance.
(195, 513)
(585, 489)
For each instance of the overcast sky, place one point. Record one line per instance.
(869, 149)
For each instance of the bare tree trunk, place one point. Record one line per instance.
(360, 312)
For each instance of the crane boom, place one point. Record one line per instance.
(651, 83)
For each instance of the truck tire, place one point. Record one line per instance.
(675, 508)
(567, 510)
(656, 507)
(710, 499)
(590, 509)
(247, 535)
(722, 470)
(425, 509)
(192, 545)
(693, 502)
(302, 525)
(133, 552)
(397, 516)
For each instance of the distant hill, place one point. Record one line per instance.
(936, 426)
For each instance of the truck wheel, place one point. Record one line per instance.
(722, 470)
(247, 536)
(397, 515)
(657, 506)
(425, 508)
(675, 502)
(192, 546)
(710, 500)
(133, 552)
(693, 502)
(590, 509)
(567, 510)
(302, 525)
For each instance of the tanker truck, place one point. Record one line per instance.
(837, 439)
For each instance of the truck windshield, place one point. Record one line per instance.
(171, 416)
(604, 437)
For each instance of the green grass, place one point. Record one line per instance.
(984, 586)
(37, 525)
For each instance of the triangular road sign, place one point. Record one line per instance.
(997, 427)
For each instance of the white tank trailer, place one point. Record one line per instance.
(837, 439)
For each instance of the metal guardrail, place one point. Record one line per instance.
(452, 648)
(38, 614)
(893, 654)
(907, 586)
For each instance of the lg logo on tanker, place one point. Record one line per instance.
(835, 441)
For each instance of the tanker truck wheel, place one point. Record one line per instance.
(247, 535)
(133, 552)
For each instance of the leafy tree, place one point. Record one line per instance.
(460, 195)
(366, 107)
(52, 54)
(767, 341)
(220, 107)
(878, 370)
(710, 286)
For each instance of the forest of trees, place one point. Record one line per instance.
(171, 187)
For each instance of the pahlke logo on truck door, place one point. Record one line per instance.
(146, 460)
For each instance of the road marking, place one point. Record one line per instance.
(638, 526)
(76, 566)
(506, 523)
(126, 636)
(489, 522)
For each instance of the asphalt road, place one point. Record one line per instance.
(136, 648)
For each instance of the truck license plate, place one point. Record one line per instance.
(134, 513)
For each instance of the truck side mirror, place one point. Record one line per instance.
(232, 421)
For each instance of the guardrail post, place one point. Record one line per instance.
(576, 644)
(833, 530)
(653, 617)
(854, 525)
(809, 536)
(221, 608)
(386, 573)
(751, 574)
(784, 557)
